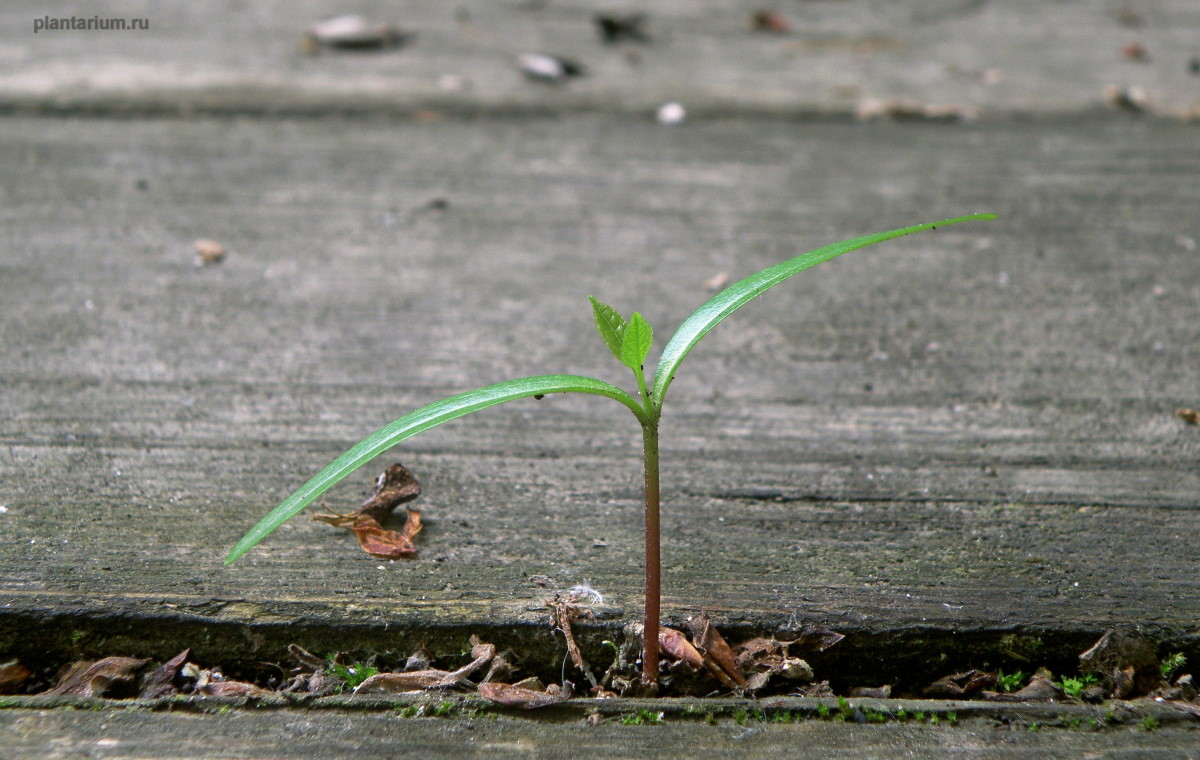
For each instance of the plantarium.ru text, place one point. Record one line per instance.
(630, 340)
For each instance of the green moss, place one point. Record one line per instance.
(1020, 647)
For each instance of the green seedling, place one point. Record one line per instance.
(1172, 665)
(1010, 681)
(353, 675)
(630, 341)
(1074, 686)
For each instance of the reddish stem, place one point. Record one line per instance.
(653, 571)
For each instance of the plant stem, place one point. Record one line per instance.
(653, 574)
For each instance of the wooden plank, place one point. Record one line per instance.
(969, 430)
(960, 56)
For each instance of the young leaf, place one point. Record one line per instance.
(610, 325)
(414, 422)
(637, 342)
(739, 294)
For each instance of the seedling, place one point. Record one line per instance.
(1010, 681)
(1074, 686)
(630, 341)
(1172, 664)
(352, 675)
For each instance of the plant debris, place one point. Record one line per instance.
(674, 644)
(420, 680)
(549, 68)
(208, 252)
(161, 682)
(515, 695)
(960, 685)
(1125, 663)
(769, 21)
(564, 612)
(98, 679)
(13, 676)
(1190, 416)
(353, 32)
(1041, 688)
(395, 486)
(718, 657)
(764, 658)
(614, 28)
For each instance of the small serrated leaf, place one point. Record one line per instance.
(610, 325)
(638, 339)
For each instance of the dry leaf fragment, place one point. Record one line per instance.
(814, 640)
(718, 657)
(765, 658)
(516, 696)
(420, 680)
(12, 675)
(232, 689)
(822, 689)
(675, 645)
(161, 682)
(562, 614)
(305, 658)
(1190, 416)
(1041, 688)
(95, 679)
(614, 28)
(960, 684)
(1126, 663)
(394, 486)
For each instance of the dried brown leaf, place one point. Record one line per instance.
(960, 684)
(12, 676)
(95, 679)
(1041, 688)
(814, 640)
(232, 689)
(399, 683)
(395, 486)
(516, 696)
(419, 680)
(305, 658)
(161, 682)
(822, 689)
(675, 645)
(562, 615)
(718, 657)
(1126, 663)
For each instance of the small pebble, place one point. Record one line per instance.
(208, 252)
(671, 114)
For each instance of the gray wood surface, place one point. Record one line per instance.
(970, 429)
(991, 58)
(959, 448)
